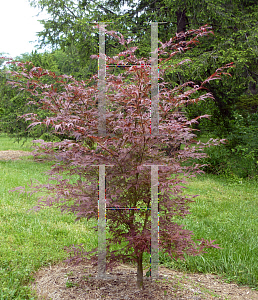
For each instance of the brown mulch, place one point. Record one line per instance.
(80, 282)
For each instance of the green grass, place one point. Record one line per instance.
(10, 144)
(30, 240)
(226, 211)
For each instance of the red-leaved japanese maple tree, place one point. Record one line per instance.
(127, 145)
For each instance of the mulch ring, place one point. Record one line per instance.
(80, 282)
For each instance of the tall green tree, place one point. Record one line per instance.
(71, 29)
(235, 38)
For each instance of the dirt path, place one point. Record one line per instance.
(13, 154)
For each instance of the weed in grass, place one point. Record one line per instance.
(70, 284)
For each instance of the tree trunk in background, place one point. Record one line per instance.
(182, 21)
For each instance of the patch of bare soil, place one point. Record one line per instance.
(13, 154)
(81, 283)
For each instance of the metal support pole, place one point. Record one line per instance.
(154, 222)
(101, 82)
(154, 130)
(102, 251)
(154, 80)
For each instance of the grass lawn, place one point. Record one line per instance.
(30, 240)
(225, 211)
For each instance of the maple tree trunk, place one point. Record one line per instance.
(140, 272)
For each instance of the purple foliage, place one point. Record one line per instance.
(127, 145)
